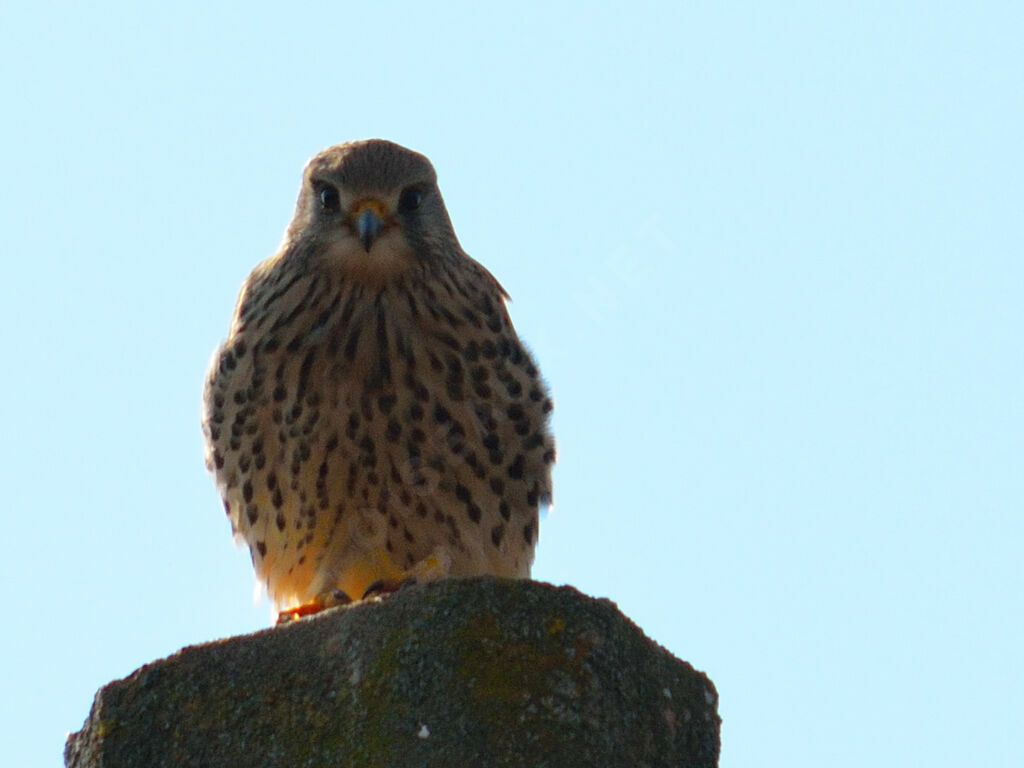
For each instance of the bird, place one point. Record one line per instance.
(372, 419)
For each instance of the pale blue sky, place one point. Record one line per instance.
(770, 259)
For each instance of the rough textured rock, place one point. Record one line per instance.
(480, 672)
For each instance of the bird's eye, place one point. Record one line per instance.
(329, 199)
(409, 200)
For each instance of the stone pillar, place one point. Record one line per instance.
(460, 673)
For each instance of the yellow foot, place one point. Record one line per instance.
(319, 603)
(431, 568)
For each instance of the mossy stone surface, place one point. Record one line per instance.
(474, 672)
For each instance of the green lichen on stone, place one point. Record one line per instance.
(460, 673)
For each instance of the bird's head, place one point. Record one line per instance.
(372, 210)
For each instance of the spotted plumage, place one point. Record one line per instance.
(373, 417)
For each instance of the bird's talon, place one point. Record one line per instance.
(383, 587)
(377, 586)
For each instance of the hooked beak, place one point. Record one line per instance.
(368, 220)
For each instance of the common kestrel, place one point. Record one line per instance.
(372, 418)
